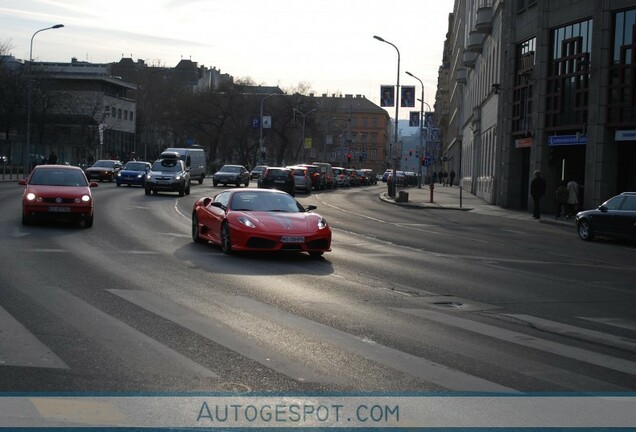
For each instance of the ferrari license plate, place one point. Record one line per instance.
(292, 239)
(58, 209)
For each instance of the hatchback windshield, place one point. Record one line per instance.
(64, 177)
(167, 165)
(135, 166)
(104, 164)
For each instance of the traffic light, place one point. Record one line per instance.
(410, 153)
(349, 157)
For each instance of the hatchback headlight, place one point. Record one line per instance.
(85, 198)
(30, 196)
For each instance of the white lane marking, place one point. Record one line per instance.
(220, 334)
(19, 347)
(136, 349)
(615, 322)
(526, 340)
(416, 366)
(577, 332)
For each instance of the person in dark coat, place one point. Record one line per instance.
(52, 158)
(537, 190)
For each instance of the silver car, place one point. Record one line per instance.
(302, 178)
(168, 175)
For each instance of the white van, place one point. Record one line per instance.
(194, 159)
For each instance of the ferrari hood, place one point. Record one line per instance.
(284, 222)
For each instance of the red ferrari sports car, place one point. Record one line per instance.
(259, 220)
(57, 192)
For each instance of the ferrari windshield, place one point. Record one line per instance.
(266, 201)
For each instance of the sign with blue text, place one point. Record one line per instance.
(562, 140)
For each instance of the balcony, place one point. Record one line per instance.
(483, 24)
(460, 75)
(475, 41)
(469, 59)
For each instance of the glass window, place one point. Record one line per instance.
(223, 198)
(629, 203)
(613, 203)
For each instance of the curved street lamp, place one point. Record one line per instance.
(397, 92)
(27, 150)
(302, 144)
(419, 177)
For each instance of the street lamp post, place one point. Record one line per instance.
(27, 149)
(260, 139)
(302, 143)
(395, 140)
(419, 177)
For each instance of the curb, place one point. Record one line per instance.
(387, 199)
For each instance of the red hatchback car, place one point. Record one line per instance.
(259, 220)
(57, 192)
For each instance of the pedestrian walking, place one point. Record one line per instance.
(452, 178)
(562, 196)
(537, 190)
(52, 160)
(573, 198)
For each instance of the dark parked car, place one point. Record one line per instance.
(104, 169)
(257, 171)
(232, 174)
(615, 218)
(278, 178)
(318, 180)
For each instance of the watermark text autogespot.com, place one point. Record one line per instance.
(298, 413)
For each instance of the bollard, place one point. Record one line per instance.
(431, 186)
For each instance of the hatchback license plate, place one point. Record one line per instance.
(58, 209)
(292, 239)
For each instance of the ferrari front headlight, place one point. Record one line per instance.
(322, 223)
(245, 221)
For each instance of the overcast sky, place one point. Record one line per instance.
(327, 44)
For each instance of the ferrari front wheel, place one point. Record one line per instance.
(226, 241)
(195, 229)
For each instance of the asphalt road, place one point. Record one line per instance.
(409, 299)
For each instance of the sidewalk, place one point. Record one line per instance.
(453, 198)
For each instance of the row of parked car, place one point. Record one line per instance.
(308, 177)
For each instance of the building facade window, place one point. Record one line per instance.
(621, 111)
(522, 92)
(568, 79)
